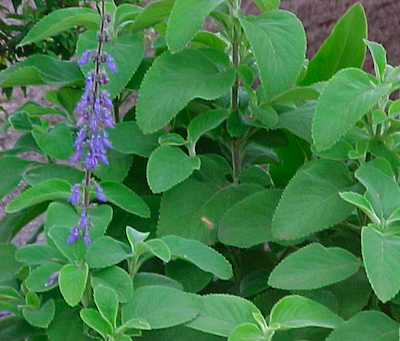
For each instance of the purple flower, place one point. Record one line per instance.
(99, 194)
(110, 63)
(86, 238)
(104, 140)
(74, 198)
(84, 103)
(76, 157)
(52, 279)
(85, 57)
(84, 222)
(73, 236)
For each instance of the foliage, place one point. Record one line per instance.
(247, 194)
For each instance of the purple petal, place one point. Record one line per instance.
(74, 198)
(86, 239)
(4, 313)
(110, 63)
(52, 279)
(85, 57)
(76, 157)
(99, 194)
(74, 235)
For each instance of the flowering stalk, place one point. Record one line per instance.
(96, 110)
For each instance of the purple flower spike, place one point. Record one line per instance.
(84, 103)
(99, 194)
(80, 138)
(74, 235)
(105, 141)
(74, 198)
(84, 223)
(85, 57)
(76, 157)
(4, 313)
(110, 63)
(86, 239)
(52, 279)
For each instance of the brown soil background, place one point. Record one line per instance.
(318, 17)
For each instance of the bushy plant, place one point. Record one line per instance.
(247, 194)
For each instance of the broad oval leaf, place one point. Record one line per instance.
(342, 49)
(168, 166)
(41, 317)
(51, 171)
(203, 256)
(367, 326)
(193, 76)
(161, 307)
(72, 281)
(345, 99)
(107, 303)
(38, 254)
(76, 251)
(302, 212)
(313, 267)
(95, 321)
(204, 123)
(380, 253)
(9, 266)
(279, 43)
(221, 314)
(61, 20)
(38, 278)
(187, 17)
(105, 252)
(299, 312)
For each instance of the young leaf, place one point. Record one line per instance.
(61, 20)
(95, 321)
(107, 303)
(116, 279)
(41, 317)
(56, 143)
(279, 44)
(266, 114)
(313, 267)
(367, 326)
(125, 198)
(248, 332)
(159, 249)
(204, 123)
(221, 314)
(342, 49)
(105, 252)
(301, 212)
(249, 222)
(299, 312)
(267, 5)
(126, 137)
(44, 191)
(169, 166)
(187, 17)
(38, 279)
(378, 53)
(175, 90)
(362, 203)
(203, 256)
(127, 51)
(379, 250)
(72, 281)
(345, 99)
(161, 307)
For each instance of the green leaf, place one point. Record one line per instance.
(159, 249)
(267, 5)
(205, 122)
(95, 321)
(246, 74)
(72, 281)
(9, 266)
(313, 267)
(174, 90)
(179, 333)
(378, 53)
(38, 278)
(203, 256)
(362, 203)
(345, 99)
(107, 303)
(198, 216)
(168, 166)
(32, 299)
(172, 139)
(12, 169)
(161, 307)
(279, 44)
(105, 252)
(249, 222)
(342, 49)
(56, 143)
(76, 251)
(37, 254)
(41, 317)
(127, 51)
(266, 114)
(46, 190)
(379, 254)
(117, 169)
(135, 237)
(124, 13)
(187, 17)
(152, 14)
(382, 190)
(301, 212)
(116, 279)
(50, 171)
(298, 94)
(15, 328)
(143, 279)
(248, 332)
(125, 198)
(34, 109)
(126, 137)
(41, 70)
(61, 20)
(299, 312)
(221, 314)
(367, 326)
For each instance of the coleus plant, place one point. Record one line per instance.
(247, 194)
